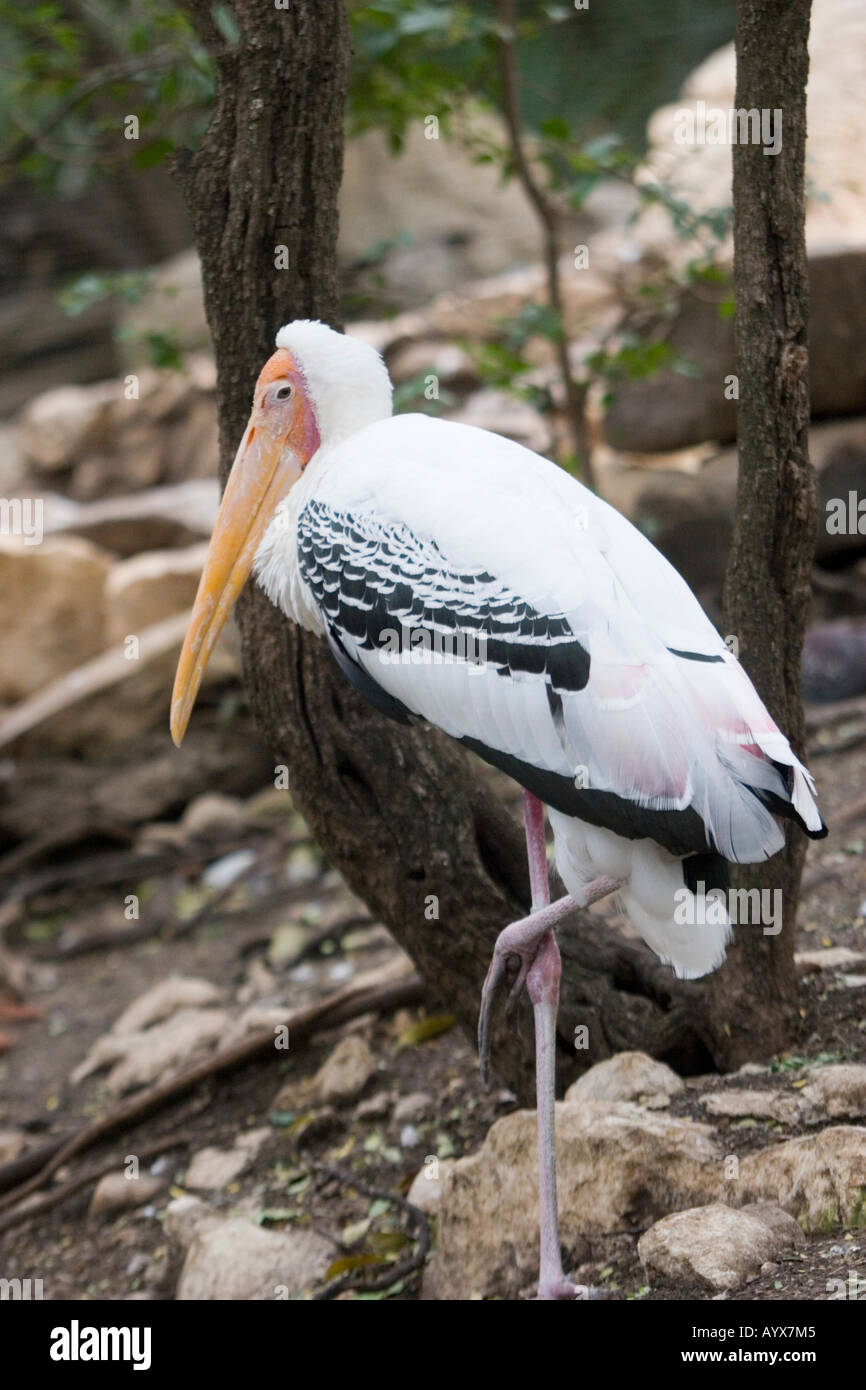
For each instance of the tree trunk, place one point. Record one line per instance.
(416, 834)
(752, 1009)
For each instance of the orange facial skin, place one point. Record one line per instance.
(278, 442)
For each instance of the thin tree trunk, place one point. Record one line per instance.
(752, 1008)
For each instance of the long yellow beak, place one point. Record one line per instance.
(262, 473)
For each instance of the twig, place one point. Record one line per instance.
(395, 1270)
(60, 1194)
(548, 217)
(364, 995)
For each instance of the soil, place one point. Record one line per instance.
(127, 1256)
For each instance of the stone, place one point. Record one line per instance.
(760, 1105)
(52, 610)
(116, 1192)
(619, 1165)
(490, 409)
(214, 1169)
(229, 1258)
(12, 1143)
(717, 1245)
(375, 1107)
(158, 518)
(137, 1059)
(819, 1179)
(830, 958)
(213, 812)
(426, 1190)
(631, 1076)
(669, 410)
(59, 425)
(164, 999)
(838, 1091)
(418, 1105)
(346, 1072)
(151, 586)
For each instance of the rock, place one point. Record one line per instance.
(839, 1091)
(489, 409)
(62, 424)
(223, 872)
(12, 1143)
(670, 410)
(834, 660)
(172, 305)
(619, 1165)
(701, 173)
(830, 958)
(166, 433)
(254, 1140)
(52, 611)
(213, 1169)
(346, 1072)
(116, 1192)
(426, 1190)
(761, 1105)
(213, 812)
(631, 1076)
(717, 1245)
(140, 1058)
(40, 344)
(165, 998)
(158, 518)
(232, 1259)
(418, 1105)
(151, 586)
(819, 1179)
(451, 365)
(375, 1107)
(457, 218)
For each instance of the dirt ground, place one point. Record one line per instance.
(127, 1255)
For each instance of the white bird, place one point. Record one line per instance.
(461, 579)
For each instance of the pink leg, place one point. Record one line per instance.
(532, 939)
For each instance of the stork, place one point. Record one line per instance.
(561, 647)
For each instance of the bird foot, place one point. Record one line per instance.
(521, 939)
(562, 1290)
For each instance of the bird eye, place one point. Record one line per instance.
(283, 393)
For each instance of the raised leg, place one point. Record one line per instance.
(533, 941)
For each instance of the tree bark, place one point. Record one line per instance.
(752, 1008)
(416, 834)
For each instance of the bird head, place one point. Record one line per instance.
(317, 388)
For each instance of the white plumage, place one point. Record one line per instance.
(410, 524)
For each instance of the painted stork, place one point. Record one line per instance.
(556, 643)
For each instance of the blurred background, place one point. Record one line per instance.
(122, 858)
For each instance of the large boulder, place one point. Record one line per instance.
(820, 1179)
(52, 610)
(619, 1165)
(229, 1258)
(113, 437)
(669, 410)
(717, 1246)
(631, 1076)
